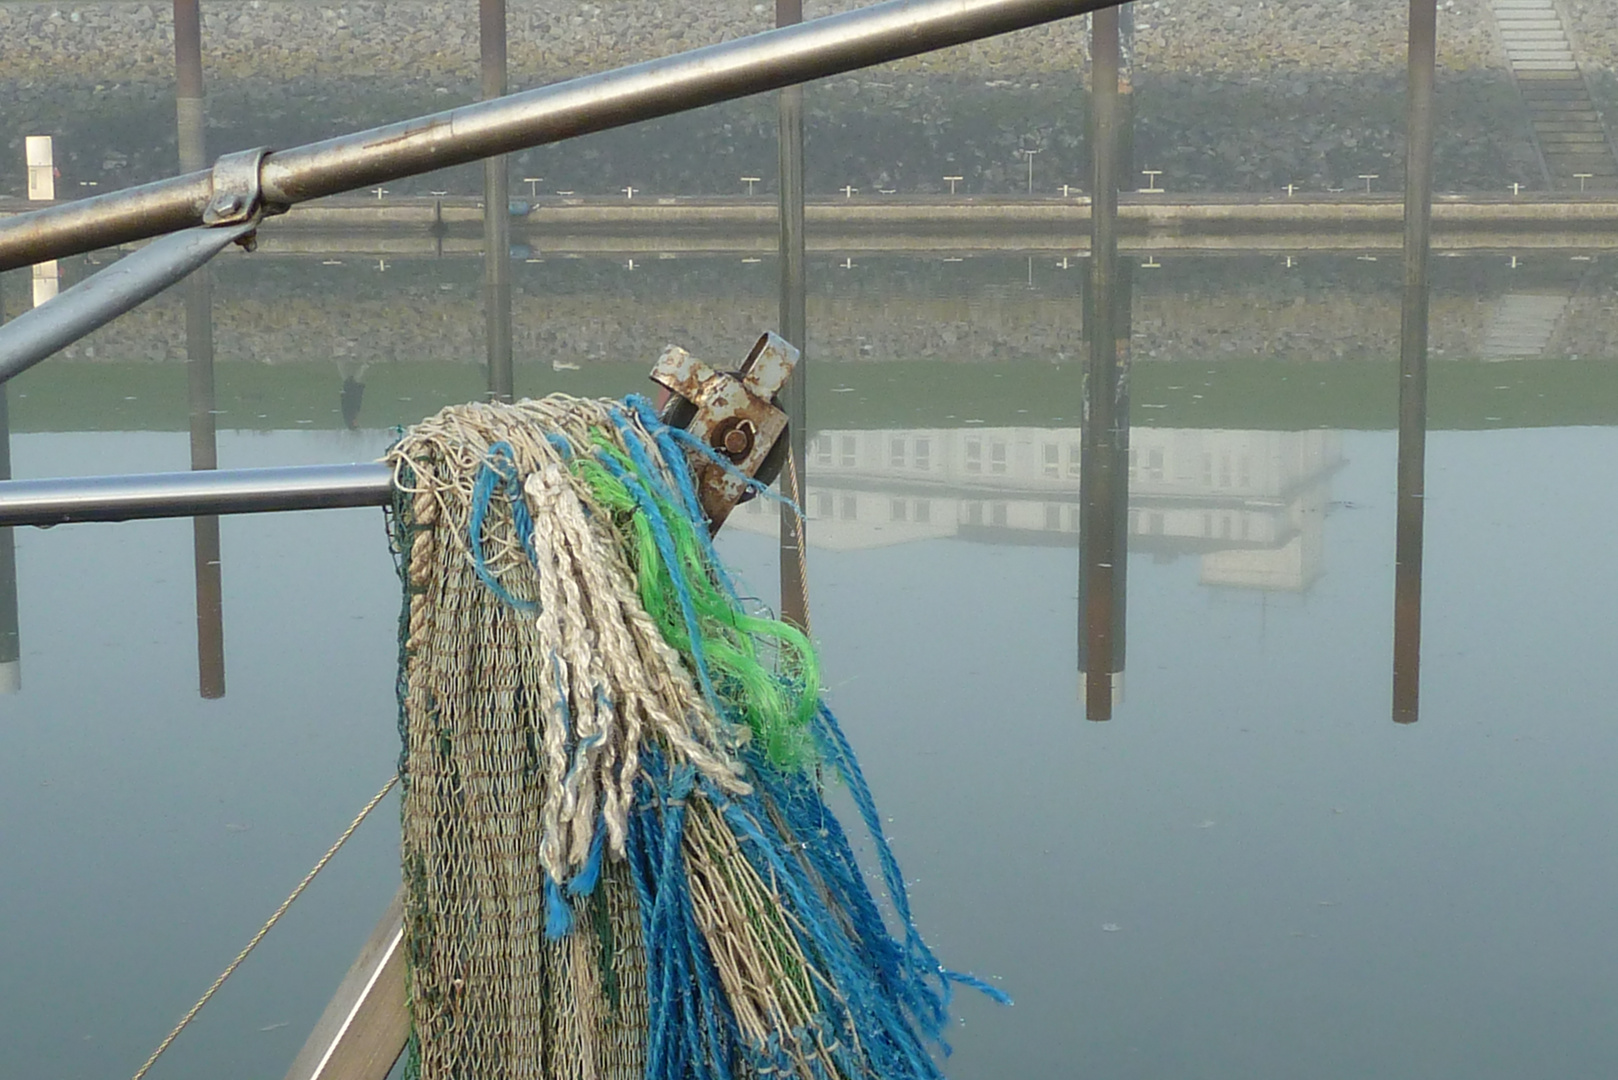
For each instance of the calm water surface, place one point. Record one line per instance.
(1249, 872)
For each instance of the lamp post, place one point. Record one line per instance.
(1030, 155)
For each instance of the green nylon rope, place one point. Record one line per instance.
(776, 701)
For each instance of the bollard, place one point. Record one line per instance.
(41, 168)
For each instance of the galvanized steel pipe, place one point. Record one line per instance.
(107, 294)
(733, 69)
(188, 494)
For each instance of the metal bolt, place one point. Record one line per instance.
(228, 204)
(737, 440)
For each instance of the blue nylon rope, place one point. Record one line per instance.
(692, 1032)
(893, 993)
(499, 470)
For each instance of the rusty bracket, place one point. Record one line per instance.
(734, 413)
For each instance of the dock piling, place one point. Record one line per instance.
(1103, 482)
(191, 128)
(793, 326)
(1413, 365)
(496, 212)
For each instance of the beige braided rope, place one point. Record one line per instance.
(590, 631)
(265, 929)
(524, 727)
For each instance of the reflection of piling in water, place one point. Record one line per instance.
(192, 138)
(793, 326)
(496, 212)
(210, 607)
(1110, 478)
(10, 640)
(1413, 366)
(1103, 482)
(352, 395)
(204, 455)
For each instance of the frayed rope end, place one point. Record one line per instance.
(558, 915)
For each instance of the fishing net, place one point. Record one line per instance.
(617, 858)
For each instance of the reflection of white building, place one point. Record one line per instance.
(1250, 503)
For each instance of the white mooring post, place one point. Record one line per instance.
(47, 280)
(41, 168)
(42, 188)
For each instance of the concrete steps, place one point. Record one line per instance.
(1523, 325)
(1571, 138)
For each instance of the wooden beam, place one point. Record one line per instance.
(363, 1030)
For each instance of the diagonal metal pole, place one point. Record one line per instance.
(769, 61)
(793, 327)
(107, 294)
(1412, 482)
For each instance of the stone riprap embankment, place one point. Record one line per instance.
(437, 40)
(1593, 25)
(304, 313)
(1230, 95)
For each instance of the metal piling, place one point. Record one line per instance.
(1413, 365)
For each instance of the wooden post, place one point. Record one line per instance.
(364, 1028)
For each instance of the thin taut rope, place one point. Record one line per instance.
(800, 534)
(265, 929)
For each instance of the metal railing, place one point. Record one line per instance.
(229, 200)
(766, 61)
(364, 1027)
